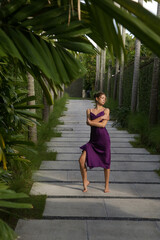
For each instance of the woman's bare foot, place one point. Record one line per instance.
(106, 190)
(85, 186)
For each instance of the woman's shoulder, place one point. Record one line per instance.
(89, 110)
(107, 110)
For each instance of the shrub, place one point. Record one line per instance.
(154, 137)
(121, 116)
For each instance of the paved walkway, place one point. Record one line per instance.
(131, 211)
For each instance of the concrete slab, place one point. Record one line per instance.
(74, 165)
(77, 144)
(96, 176)
(122, 230)
(51, 229)
(50, 176)
(148, 190)
(53, 176)
(137, 177)
(114, 157)
(84, 135)
(87, 229)
(94, 190)
(84, 140)
(75, 207)
(113, 150)
(77, 128)
(134, 208)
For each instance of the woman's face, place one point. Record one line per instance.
(102, 99)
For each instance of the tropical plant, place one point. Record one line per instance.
(121, 116)
(89, 62)
(153, 113)
(15, 115)
(7, 201)
(134, 98)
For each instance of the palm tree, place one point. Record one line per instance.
(121, 68)
(51, 107)
(136, 72)
(153, 112)
(32, 130)
(116, 79)
(102, 68)
(97, 69)
(109, 80)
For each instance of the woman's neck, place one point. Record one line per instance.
(99, 107)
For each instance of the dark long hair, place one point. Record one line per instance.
(98, 94)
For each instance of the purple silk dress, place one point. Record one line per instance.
(98, 153)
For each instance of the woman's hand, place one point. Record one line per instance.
(88, 121)
(105, 117)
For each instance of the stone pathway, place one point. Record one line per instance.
(131, 211)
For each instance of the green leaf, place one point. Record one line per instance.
(9, 194)
(15, 142)
(28, 114)
(6, 232)
(48, 15)
(14, 205)
(133, 24)
(38, 106)
(59, 65)
(78, 46)
(142, 13)
(75, 33)
(29, 51)
(49, 66)
(27, 11)
(11, 7)
(8, 46)
(25, 100)
(68, 60)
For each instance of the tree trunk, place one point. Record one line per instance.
(97, 70)
(32, 131)
(109, 80)
(62, 92)
(102, 73)
(122, 68)
(116, 80)
(153, 111)
(136, 73)
(46, 110)
(51, 107)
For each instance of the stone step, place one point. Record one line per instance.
(105, 208)
(96, 176)
(87, 135)
(86, 139)
(127, 166)
(88, 229)
(77, 144)
(96, 190)
(118, 157)
(113, 150)
(87, 131)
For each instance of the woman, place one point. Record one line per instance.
(96, 153)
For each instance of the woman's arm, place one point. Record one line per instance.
(102, 124)
(88, 116)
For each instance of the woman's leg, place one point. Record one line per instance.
(106, 175)
(83, 168)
